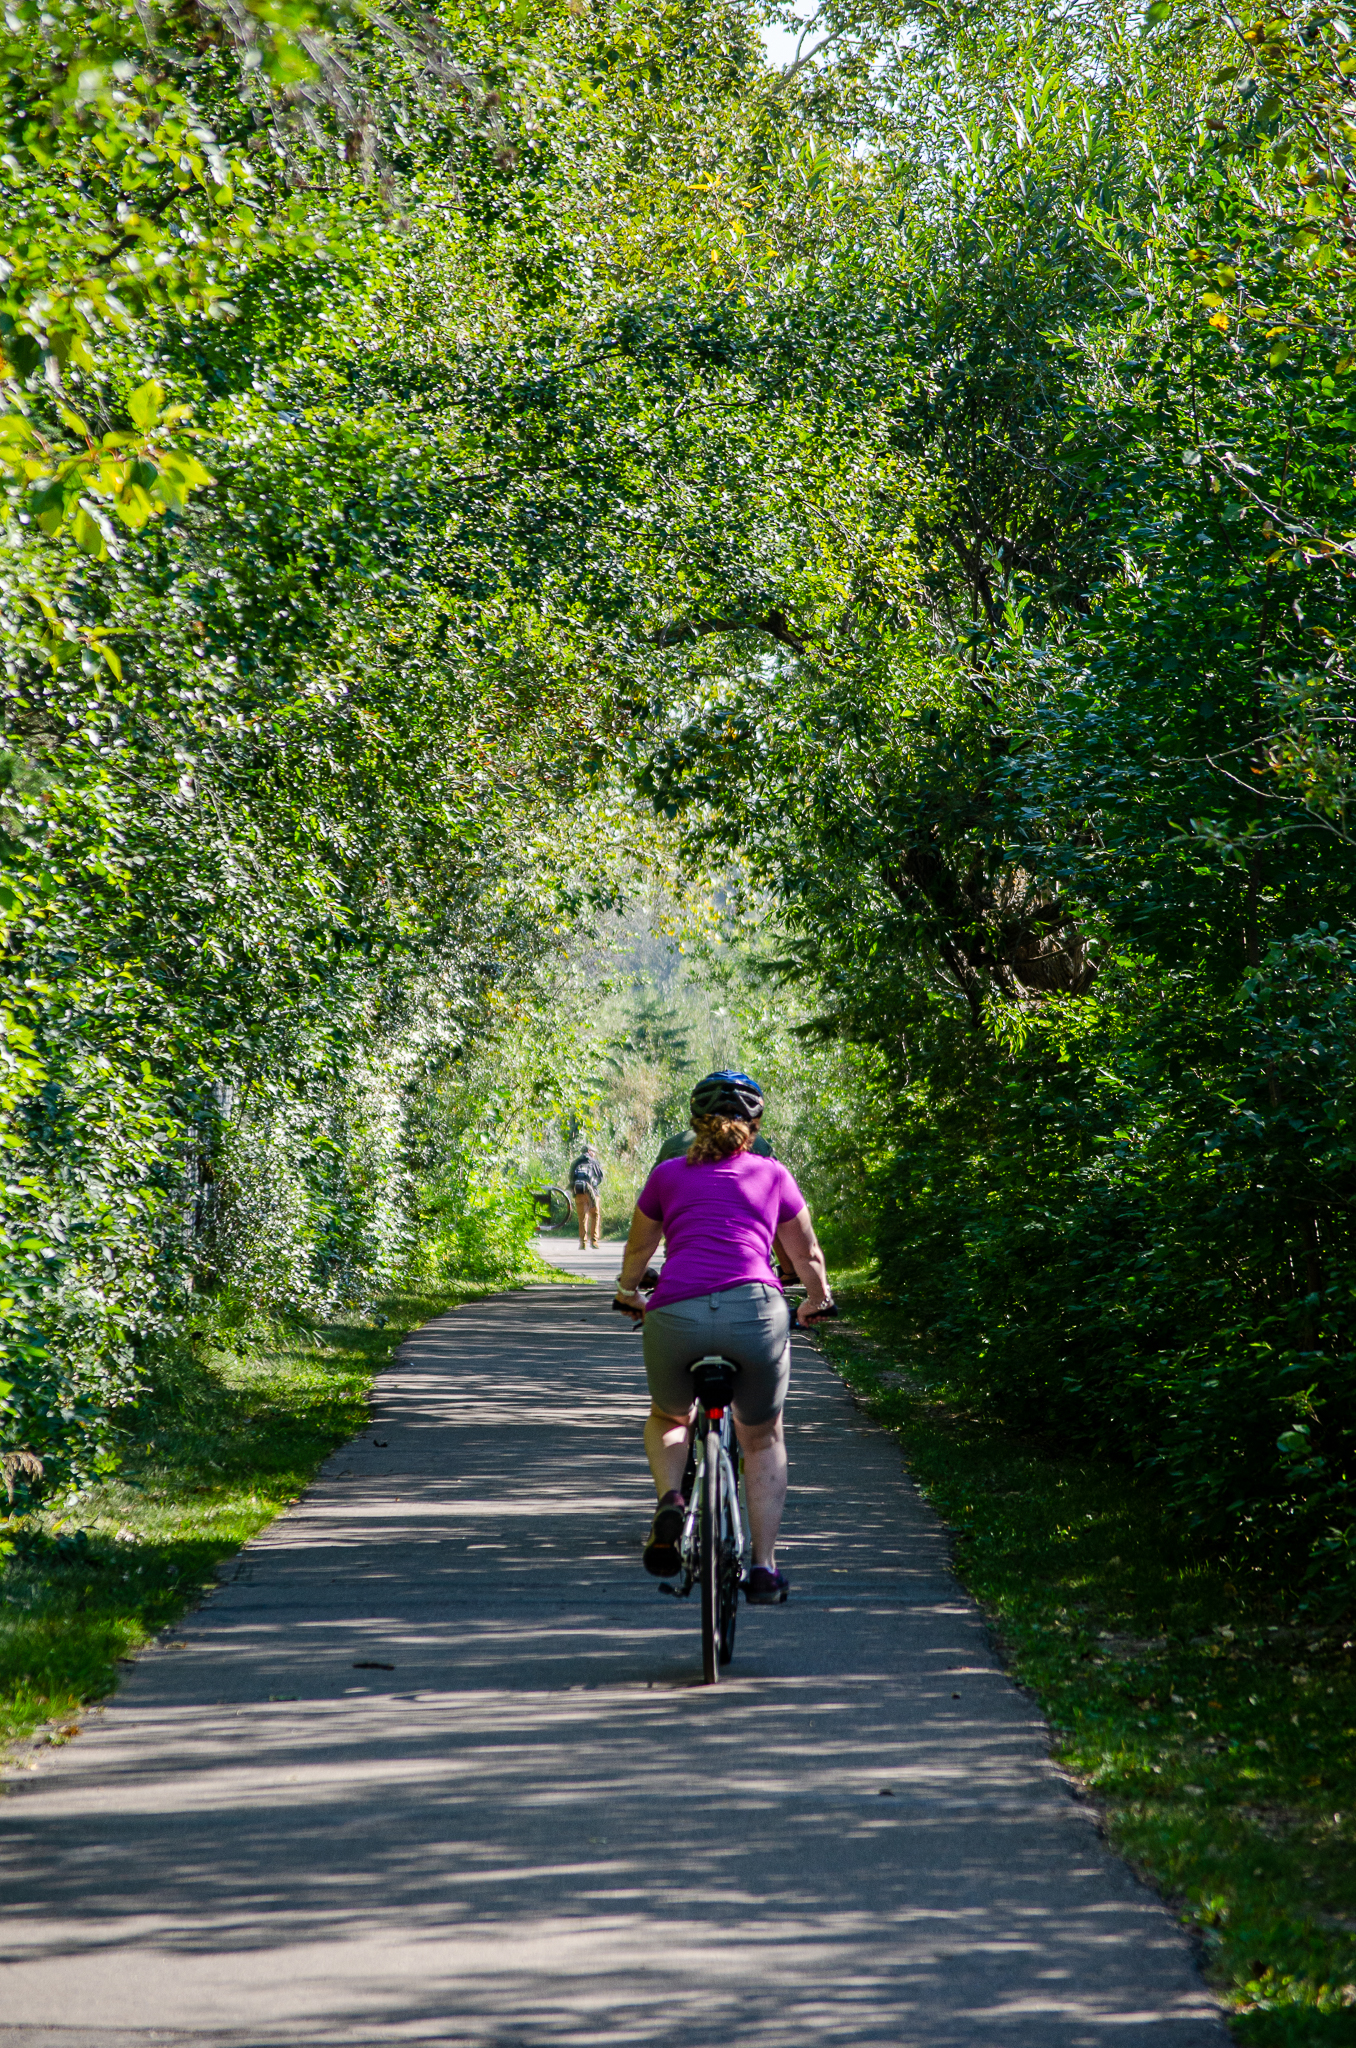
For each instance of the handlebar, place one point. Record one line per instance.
(818, 1315)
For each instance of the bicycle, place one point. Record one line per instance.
(554, 1205)
(711, 1546)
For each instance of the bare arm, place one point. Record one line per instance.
(641, 1244)
(802, 1248)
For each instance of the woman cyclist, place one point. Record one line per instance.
(719, 1208)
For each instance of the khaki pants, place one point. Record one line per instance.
(590, 1216)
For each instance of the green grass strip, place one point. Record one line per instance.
(222, 1444)
(1218, 1737)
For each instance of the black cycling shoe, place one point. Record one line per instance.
(660, 1555)
(763, 1588)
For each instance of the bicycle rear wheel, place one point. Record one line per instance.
(709, 1523)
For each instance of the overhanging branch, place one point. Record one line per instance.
(773, 623)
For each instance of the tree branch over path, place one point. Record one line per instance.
(774, 623)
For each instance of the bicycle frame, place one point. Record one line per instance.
(701, 1429)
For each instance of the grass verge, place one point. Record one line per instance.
(221, 1444)
(1217, 1736)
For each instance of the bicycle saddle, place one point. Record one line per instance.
(714, 1379)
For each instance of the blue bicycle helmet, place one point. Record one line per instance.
(727, 1093)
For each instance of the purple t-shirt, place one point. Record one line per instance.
(719, 1222)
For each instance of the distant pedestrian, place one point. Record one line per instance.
(586, 1177)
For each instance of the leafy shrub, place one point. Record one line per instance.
(1117, 1252)
(481, 1228)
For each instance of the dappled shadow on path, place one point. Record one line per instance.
(534, 1827)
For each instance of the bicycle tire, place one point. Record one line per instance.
(728, 1607)
(710, 1559)
(556, 1204)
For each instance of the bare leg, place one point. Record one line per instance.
(666, 1449)
(764, 1448)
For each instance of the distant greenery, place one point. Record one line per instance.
(690, 988)
(1219, 1737)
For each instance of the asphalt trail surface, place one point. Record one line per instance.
(433, 1765)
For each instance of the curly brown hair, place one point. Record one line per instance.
(719, 1137)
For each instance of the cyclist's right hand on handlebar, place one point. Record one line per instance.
(629, 1307)
(806, 1315)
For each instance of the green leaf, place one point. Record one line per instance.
(186, 470)
(145, 405)
(88, 535)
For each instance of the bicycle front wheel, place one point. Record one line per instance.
(710, 1558)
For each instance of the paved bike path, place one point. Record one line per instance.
(536, 1829)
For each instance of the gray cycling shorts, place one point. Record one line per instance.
(749, 1325)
